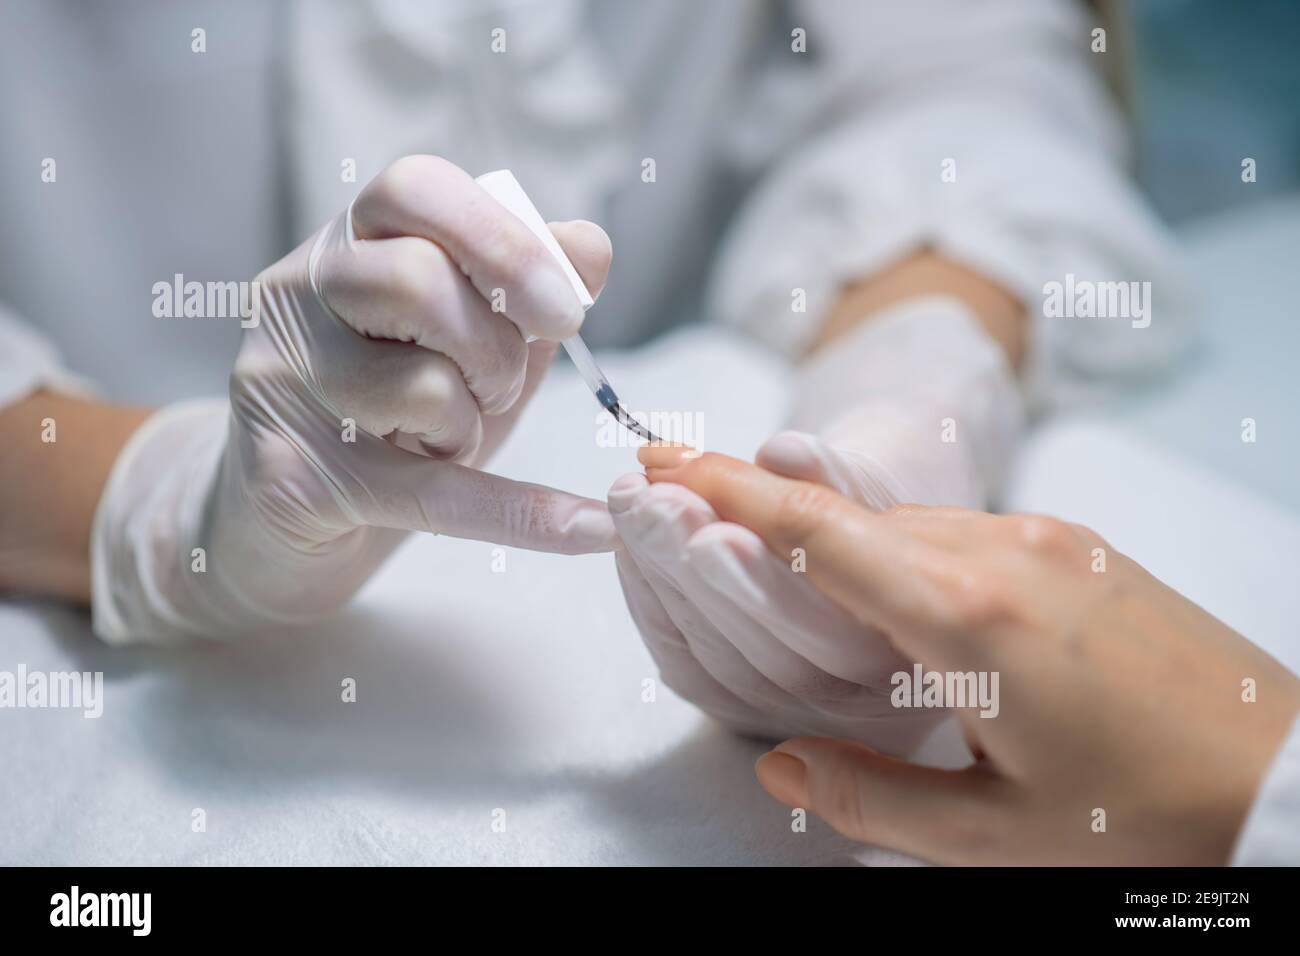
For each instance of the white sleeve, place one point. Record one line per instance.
(1007, 97)
(29, 362)
(1271, 835)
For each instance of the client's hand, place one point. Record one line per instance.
(1130, 727)
(917, 405)
(742, 635)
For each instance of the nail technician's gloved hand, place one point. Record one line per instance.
(378, 376)
(916, 406)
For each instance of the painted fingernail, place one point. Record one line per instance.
(666, 457)
(784, 777)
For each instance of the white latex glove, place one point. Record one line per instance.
(918, 405)
(382, 318)
(741, 634)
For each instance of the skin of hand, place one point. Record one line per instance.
(1116, 693)
(49, 489)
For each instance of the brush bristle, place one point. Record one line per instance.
(632, 424)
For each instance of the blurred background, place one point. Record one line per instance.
(1212, 83)
(1209, 76)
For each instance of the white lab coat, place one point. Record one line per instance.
(774, 171)
(981, 130)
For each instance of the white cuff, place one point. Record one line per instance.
(147, 517)
(1271, 835)
(29, 362)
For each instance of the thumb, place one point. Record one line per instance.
(944, 816)
(588, 248)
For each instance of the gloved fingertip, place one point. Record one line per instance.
(589, 531)
(668, 502)
(789, 453)
(721, 541)
(660, 518)
(624, 490)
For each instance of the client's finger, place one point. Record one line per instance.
(868, 565)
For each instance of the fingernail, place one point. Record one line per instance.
(666, 457)
(784, 777)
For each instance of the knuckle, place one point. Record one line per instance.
(802, 509)
(255, 372)
(415, 276)
(508, 251)
(1044, 535)
(712, 465)
(269, 459)
(274, 457)
(431, 386)
(411, 175)
(977, 599)
(410, 184)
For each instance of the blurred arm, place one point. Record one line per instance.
(49, 489)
